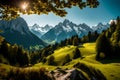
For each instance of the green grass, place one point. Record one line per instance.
(110, 68)
(88, 49)
(41, 65)
(60, 53)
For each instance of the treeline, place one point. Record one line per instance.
(17, 56)
(14, 54)
(75, 40)
(108, 43)
(66, 59)
(27, 74)
(40, 55)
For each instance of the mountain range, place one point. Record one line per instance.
(65, 30)
(17, 31)
(39, 31)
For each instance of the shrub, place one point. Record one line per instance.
(50, 60)
(27, 74)
(76, 53)
(66, 59)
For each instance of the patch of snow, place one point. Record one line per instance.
(76, 29)
(67, 28)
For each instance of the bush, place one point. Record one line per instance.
(76, 53)
(50, 60)
(28, 74)
(66, 59)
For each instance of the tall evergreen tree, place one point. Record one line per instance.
(103, 46)
(67, 59)
(50, 60)
(75, 41)
(76, 53)
(89, 36)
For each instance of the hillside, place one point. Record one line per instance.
(110, 68)
(72, 59)
(16, 31)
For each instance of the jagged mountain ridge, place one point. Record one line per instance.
(17, 31)
(100, 27)
(39, 31)
(65, 30)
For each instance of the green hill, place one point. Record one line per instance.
(110, 68)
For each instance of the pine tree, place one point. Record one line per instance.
(67, 59)
(75, 41)
(76, 53)
(103, 46)
(50, 60)
(89, 36)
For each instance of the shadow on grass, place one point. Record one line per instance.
(93, 73)
(112, 60)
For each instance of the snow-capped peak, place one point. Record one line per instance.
(100, 27)
(35, 26)
(66, 21)
(65, 30)
(40, 30)
(47, 27)
(100, 24)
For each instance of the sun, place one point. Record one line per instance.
(24, 5)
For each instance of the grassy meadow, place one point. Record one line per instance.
(110, 68)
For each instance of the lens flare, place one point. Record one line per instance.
(24, 5)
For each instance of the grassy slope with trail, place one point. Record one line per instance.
(111, 69)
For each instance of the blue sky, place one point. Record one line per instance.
(107, 10)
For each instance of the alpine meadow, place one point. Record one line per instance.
(59, 40)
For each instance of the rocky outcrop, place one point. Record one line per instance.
(79, 72)
(67, 74)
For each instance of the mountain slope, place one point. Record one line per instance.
(100, 27)
(65, 30)
(17, 31)
(39, 31)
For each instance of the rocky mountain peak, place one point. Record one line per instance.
(66, 21)
(18, 24)
(17, 31)
(100, 24)
(100, 27)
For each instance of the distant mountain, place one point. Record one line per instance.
(100, 27)
(17, 31)
(39, 31)
(65, 30)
